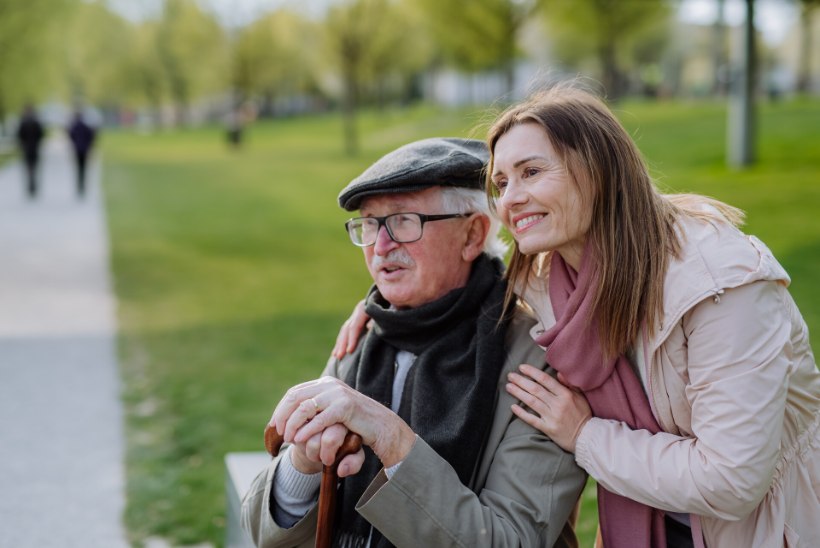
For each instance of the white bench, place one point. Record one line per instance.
(240, 471)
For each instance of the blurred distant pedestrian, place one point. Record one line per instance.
(29, 134)
(234, 126)
(82, 137)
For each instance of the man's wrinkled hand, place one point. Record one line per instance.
(310, 409)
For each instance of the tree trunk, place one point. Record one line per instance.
(741, 127)
(349, 104)
(607, 54)
(804, 64)
(611, 77)
(509, 79)
(720, 68)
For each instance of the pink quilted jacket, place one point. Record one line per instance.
(734, 385)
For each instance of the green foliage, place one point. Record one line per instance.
(191, 51)
(399, 51)
(477, 35)
(616, 33)
(96, 43)
(28, 50)
(233, 272)
(353, 34)
(365, 41)
(275, 55)
(145, 78)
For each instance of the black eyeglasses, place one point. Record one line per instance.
(402, 228)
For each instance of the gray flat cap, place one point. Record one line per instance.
(441, 161)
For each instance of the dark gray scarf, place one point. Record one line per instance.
(450, 392)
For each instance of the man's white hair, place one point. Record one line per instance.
(468, 200)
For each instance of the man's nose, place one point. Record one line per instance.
(384, 243)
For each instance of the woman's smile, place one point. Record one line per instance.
(523, 223)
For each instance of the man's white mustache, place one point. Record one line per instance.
(398, 257)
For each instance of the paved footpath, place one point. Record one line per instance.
(61, 436)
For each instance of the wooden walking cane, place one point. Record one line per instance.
(330, 477)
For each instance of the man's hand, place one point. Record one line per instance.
(321, 449)
(313, 410)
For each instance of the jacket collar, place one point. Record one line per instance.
(715, 256)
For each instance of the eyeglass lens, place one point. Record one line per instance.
(402, 227)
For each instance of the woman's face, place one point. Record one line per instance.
(538, 201)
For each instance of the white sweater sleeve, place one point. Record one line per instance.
(293, 494)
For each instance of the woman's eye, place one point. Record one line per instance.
(530, 171)
(500, 186)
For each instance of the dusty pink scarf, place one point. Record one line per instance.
(612, 389)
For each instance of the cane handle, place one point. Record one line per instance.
(351, 444)
(273, 440)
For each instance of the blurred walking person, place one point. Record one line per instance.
(29, 134)
(82, 137)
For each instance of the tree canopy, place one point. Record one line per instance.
(615, 33)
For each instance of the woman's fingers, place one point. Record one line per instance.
(541, 377)
(526, 416)
(339, 349)
(531, 386)
(351, 332)
(357, 325)
(526, 394)
(557, 411)
(535, 387)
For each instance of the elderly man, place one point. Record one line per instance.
(446, 462)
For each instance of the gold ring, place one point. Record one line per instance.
(315, 405)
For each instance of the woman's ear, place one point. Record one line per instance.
(477, 232)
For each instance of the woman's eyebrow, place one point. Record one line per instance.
(528, 159)
(520, 162)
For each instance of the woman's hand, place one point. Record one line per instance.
(318, 408)
(557, 411)
(351, 331)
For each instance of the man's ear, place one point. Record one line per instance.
(477, 231)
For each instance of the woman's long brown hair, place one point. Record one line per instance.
(632, 233)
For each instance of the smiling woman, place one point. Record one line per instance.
(661, 318)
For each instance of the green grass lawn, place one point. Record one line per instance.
(233, 271)
(6, 156)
